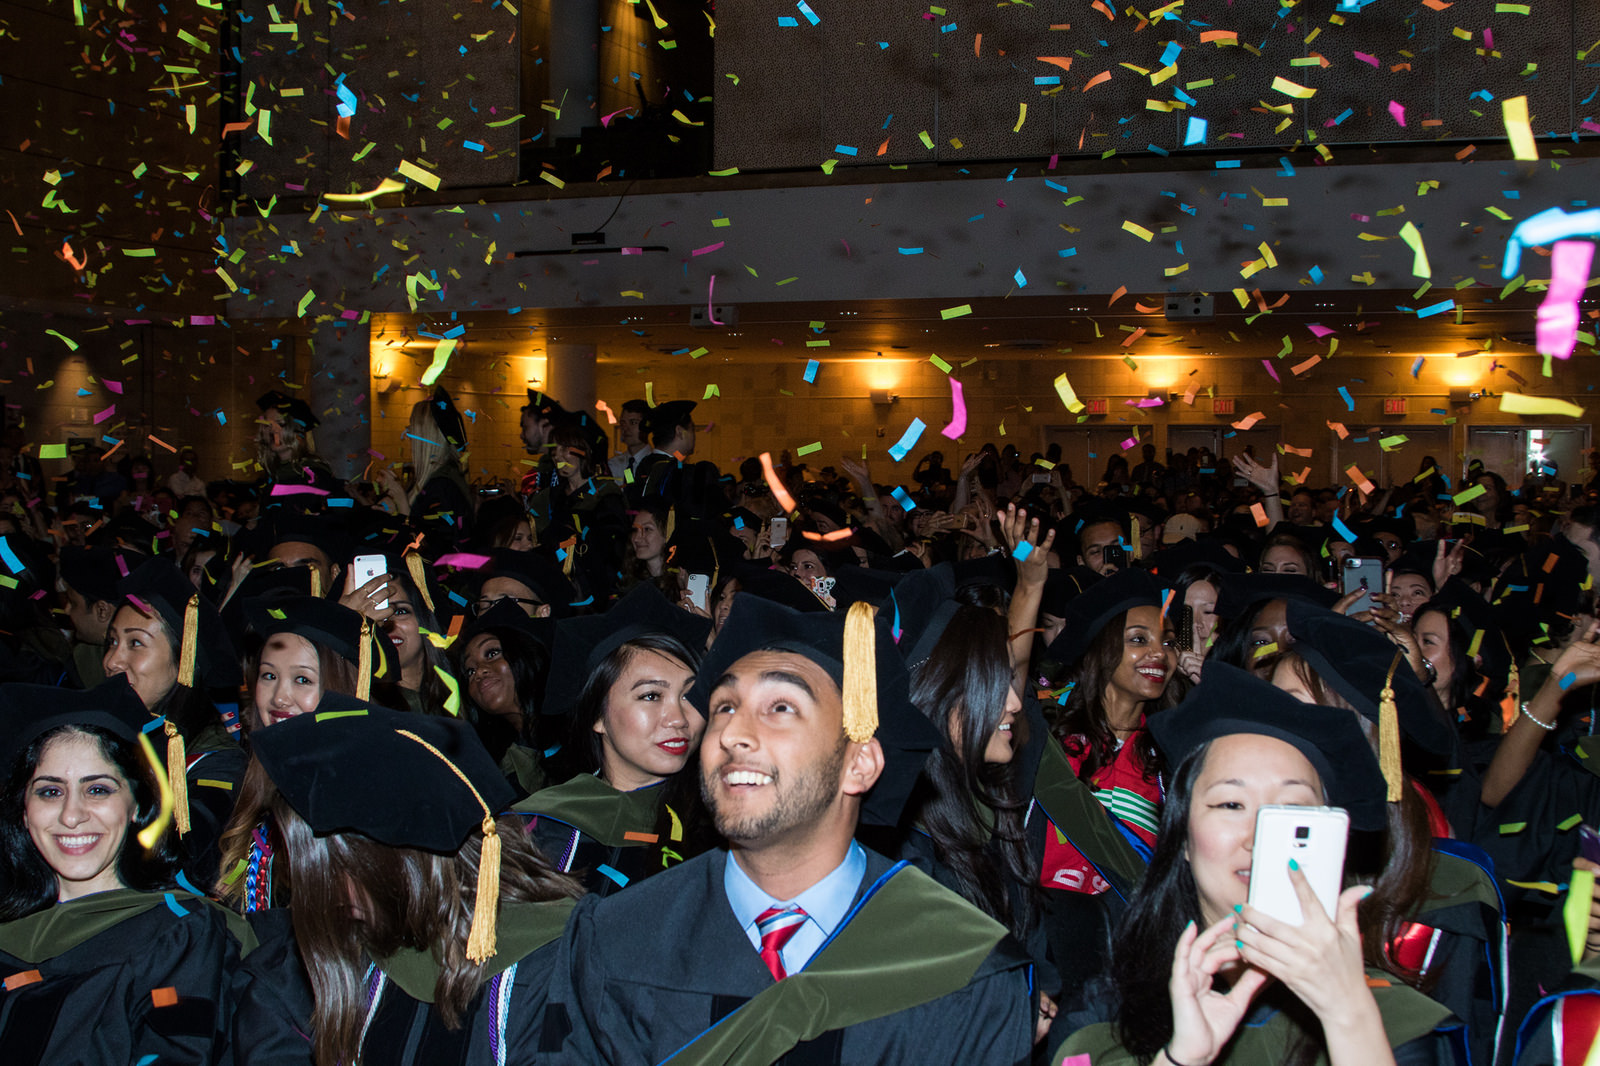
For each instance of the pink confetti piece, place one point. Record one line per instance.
(711, 299)
(708, 248)
(1373, 60)
(1398, 110)
(1129, 443)
(101, 416)
(1268, 364)
(462, 560)
(1319, 330)
(113, 386)
(1557, 330)
(297, 490)
(958, 413)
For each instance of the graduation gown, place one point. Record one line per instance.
(501, 1025)
(1421, 1032)
(1563, 1026)
(216, 767)
(644, 974)
(605, 837)
(117, 977)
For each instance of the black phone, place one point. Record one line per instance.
(1185, 628)
(1115, 555)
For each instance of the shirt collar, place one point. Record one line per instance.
(826, 903)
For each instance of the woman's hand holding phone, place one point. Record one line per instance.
(1320, 960)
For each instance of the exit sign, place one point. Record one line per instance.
(1222, 407)
(1097, 407)
(1394, 405)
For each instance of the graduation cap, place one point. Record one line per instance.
(1093, 609)
(778, 586)
(665, 417)
(1168, 563)
(540, 573)
(1229, 701)
(447, 419)
(327, 534)
(918, 608)
(1061, 587)
(93, 573)
(1372, 675)
(503, 614)
(583, 642)
(405, 780)
(1240, 591)
(325, 623)
(856, 650)
(1485, 639)
(291, 408)
(545, 405)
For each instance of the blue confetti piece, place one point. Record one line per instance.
(1438, 308)
(1288, 167)
(903, 498)
(1227, 164)
(347, 99)
(1067, 253)
(811, 17)
(616, 875)
(187, 886)
(1157, 149)
(173, 905)
(1316, 274)
(1349, 404)
(1047, 79)
(788, 21)
(1021, 551)
(1170, 56)
(1185, 97)
(10, 557)
(1196, 133)
(1057, 186)
(811, 371)
(844, 149)
(910, 251)
(888, 120)
(1568, 680)
(1339, 120)
(1416, 367)
(1343, 530)
(908, 440)
(472, 146)
(1022, 282)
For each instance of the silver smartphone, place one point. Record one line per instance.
(1314, 837)
(367, 567)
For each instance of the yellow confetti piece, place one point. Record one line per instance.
(1068, 397)
(1514, 112)
(441, 358)
(1515, 403)
(418, 175)
(1022, 116)
(955, 312)
(940, 363)
(52, 451)
(1289, 88)
(1137, 230)
(711, 390)
(305, 302)
(452, 702)
(1419, 262)
(264, 125)
(1173, 272)
(807, 449)
(387, 185)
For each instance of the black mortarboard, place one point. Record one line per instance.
(779, 586)
(1229, 701)
(447, 419)
(354, 771)
(665, 417)
(546, 405)
(1239, 591)
(291, 408)
(93, 573)
(918, 609)
(157, 584)
(329, 624)
(323, 531)
(504, 614)
(1357, 661)
(1061, 587)
(536, 570)
(1457, 600)
(583, 642)
(835, 642)
(27, 712)
(1169, 562)
(1092, 609)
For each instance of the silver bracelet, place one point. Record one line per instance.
(1529, 716)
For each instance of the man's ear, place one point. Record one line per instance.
(104, 610)
(542, 611)
(862, 768)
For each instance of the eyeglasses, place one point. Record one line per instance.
(483, 605)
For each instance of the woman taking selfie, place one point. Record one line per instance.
(633, 808)
(107, 958)
(1199, 975)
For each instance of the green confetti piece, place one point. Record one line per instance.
(940, 363)
(698, 352)
(71, 344)
(1569, 823)
(1512, 828)
(927, 141)
(305, 302)
(807, 449)
(720, 223)
(956, 312)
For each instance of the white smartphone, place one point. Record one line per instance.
(699, 587)
(780, 533)
(1314, 837)
(365, 568)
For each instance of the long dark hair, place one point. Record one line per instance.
(433, 690)
(1084, 716)
(962, 687)
(680, 793)
(27, 883)
(529, 661)
(408, 898)
(1232, 644)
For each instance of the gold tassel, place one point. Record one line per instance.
(177, 775)
(1389, 736)
(364, 663)
(1513, 698)
(419, 577)
(486, 902)
(189, 649)
(316, 583)
(860, 673)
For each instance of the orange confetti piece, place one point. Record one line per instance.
(1135, 335)
(1064, 62)
(1249, 420)
(1207, 36)
(1338, 427)
(15, 223)
(977, 45)
(1122, 290)
(157, 440)
(1260, 513)
(1144, 310)
(779, 493)
(237, 127)
(1100, 6)
(1353, 472)
(1103, 76)
(832, 535)
(20, 980)
(1301, 368)
(164, 997)
(1437, 5)
(643, 838)
(68, 256)
(884, 147)
(1468, 150)
(1290, 449)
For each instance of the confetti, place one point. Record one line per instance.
(1068, 397)
(958, 414)
(1513, 403)
(908, 440)
(1514, 113)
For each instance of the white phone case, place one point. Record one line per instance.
(366, 568)
(1315, 838)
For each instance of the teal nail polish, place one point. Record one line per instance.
(1293, 865)
(1239, 944)
(1238, 908)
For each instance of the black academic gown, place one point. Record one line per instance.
(216, 767)
(502, 1023)
(604, 837)
(118, 977)
(645, 972)
(1563, 1026)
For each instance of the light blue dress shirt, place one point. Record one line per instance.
(826, 903)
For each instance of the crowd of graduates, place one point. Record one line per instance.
(639, 760)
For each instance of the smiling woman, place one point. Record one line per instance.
(88, 909)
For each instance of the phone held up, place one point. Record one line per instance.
(1314, 837)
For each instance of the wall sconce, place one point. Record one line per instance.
(883, 397)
